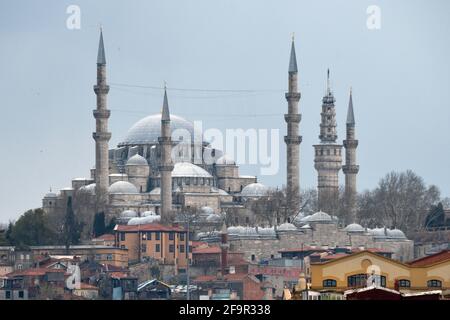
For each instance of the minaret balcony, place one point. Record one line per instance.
(350, 169)
(296, 117)
(101, 89)
(165, 140)
(101, 136)
(166, 167)
(294, 96)
(102, 114)
(349, 144)
(292, 139)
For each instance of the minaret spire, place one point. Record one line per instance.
(328, 159)
(292, 139)
(350, 168)
(101, 134)
(166, 164)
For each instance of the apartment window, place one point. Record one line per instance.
(122, 247)
(253, 257)
(149, 236)
(171, 248)
(122, 236)
(181, 236)
(109, 256)
(8, 295)
(182, 248)
(19, 266)
(434, 283)
(329, 283)
(143, 248)
(157, 247)
(98, 257)
(403, 283)
(158, 235)
(21, 295)
(171, 236)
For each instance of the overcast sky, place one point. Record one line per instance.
(400, 76)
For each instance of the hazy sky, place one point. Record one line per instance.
(400, 76)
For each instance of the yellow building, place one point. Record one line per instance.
(363, 268)
(166, 244)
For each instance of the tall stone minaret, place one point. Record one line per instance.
(350, 168)
(101, 134)
(166, 165)
(292, 139)
(328, 158)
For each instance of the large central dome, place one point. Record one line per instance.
(148, 129)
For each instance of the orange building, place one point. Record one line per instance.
(167, 244)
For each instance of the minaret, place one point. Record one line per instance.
(292, 139)
(101, 134)
(350, 168)
(166, 165)
(328, 158)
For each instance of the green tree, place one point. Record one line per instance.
(72, 228)
(111, 225)
(32, 228)
(99, 224)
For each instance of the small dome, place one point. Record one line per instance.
(148, 213)
(206, 210)
(89, 188)
(306, 226)
(220, 191)
(156, 191)
(377, 232)
(187, 169)
(354, 227)
(50, 195)
(396, 234)
(213, 218)
(254, 190)
(286, 227)
(318, 217)
(144, 220)
(225, 160)
(137, 160)
(128, 214)
(122, 187)
(298, 218)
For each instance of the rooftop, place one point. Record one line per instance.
(147, 227)
(431, 259)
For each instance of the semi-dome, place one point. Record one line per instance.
(254, 190)
(213, 217)
(90, 188)
(128, 214)
(122, 187)
(144, 220)
(187, 169)
(354, 227)
(305, 227)
(137, 160)
(147, 130)
(378, 232)
(286, 227)
(225, 160)
(396, 234)
(206, 210)
(318, 217)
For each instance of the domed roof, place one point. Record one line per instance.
(89, 188)
(396, 234)
(225, 160)
(254, 190)
(122, 187)
(128, 214)
(378, 232)
(137, 160)
(220, 191)
(206, 210)
(286, 226)
(354, 227)
(144, 220)
(306, 226)
(148, 129)
(148, 213)
(187, 169)
(318, 217)
(51, 195)
(213, 217)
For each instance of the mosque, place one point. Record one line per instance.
(162, 166)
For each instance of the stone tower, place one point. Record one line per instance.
(101, 134)
(166, 165)
(292, 139)
(350, 168)
(328, 158)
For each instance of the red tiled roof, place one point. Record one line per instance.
(85, 286)
(207, 250)
(431, 259)
(33, 272)
(374, 250)
(334, 256)
(147, 227)
(198, 243)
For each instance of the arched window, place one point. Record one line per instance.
(360, 280)
(404, 283)
(327, 283)
(434, 283)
